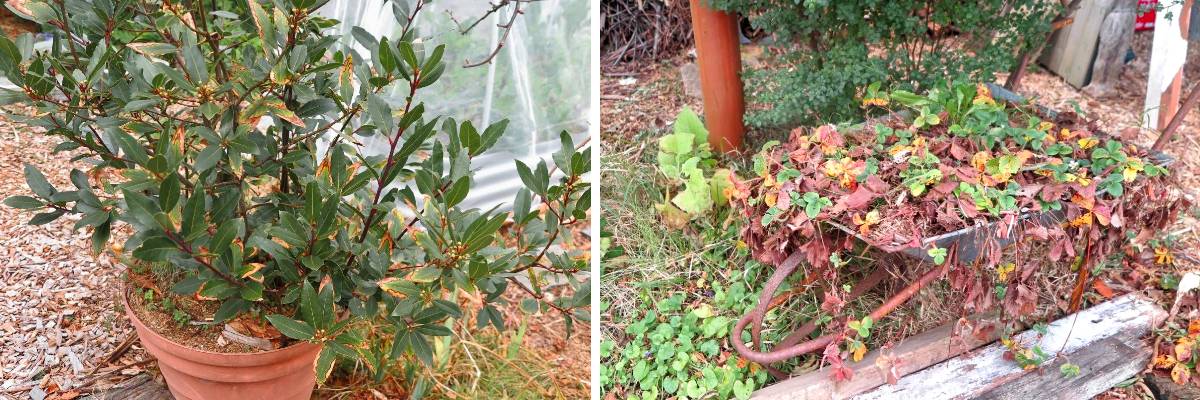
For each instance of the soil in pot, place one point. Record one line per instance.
(188, 321)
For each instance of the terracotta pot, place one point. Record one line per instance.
(286, 373)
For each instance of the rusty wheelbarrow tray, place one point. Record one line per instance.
(964, 246)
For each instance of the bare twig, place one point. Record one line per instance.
(116, 353)
(507, 27)
(495, 8)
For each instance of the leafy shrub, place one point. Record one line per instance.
(832, 48)
(291, 220)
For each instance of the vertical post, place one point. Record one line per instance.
(719, 60)
(1170, 98)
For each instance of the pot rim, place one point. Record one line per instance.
(134, 319)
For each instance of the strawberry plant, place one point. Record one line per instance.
(1017, 180)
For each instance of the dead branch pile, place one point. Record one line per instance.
(643, 30)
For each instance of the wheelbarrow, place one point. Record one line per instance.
(964, 247)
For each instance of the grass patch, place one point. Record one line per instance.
(669, 301)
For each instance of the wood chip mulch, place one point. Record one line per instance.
(60, 320)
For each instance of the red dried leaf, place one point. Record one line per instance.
(1102, 288)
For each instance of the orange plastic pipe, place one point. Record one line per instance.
(720, 60)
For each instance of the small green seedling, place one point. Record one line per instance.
(938, 254)
(862, 327)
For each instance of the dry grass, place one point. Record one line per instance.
(531, 359)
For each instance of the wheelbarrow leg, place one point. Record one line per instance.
(863, 286)
(798, 349)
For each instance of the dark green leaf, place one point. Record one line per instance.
(291, 328)
(458, 192)
(37, 182)
(23, 202)
(168, 193)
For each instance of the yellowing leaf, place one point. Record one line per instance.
(1132, 168)
(865, 223)
(672, 216)
(1164, 361)
(1163, 256)
(1045, 126)
(874, 101)
(1004, 269)
(250, 269)
(834, 168)
(1183, 348)
(980, 159)
(983, 95)
(771, 199)
(1088, 142)
(391, 286)
(859, 353)
(1181, 374)
(1082, 220)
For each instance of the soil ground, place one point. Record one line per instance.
(638, 107)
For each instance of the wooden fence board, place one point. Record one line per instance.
(1073, 47)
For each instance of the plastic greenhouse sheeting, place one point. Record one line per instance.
(540, 80)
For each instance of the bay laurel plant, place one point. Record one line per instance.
(229, 136)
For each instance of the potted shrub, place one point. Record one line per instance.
(231, 151)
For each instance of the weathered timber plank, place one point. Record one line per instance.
(1102, 365)
(914, 353)
(1126, 319)
(1115, 35)
(1072, 49)
(141, 387)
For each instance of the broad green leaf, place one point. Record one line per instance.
(23, 202)
(37, 182)
(696, 197)
(457, 192)
(156, 248)
(325, 360)
(425, 275)
(688, 122)
(722, 186)
(291, 328)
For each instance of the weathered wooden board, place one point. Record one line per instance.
(1125, 320)
(141, 387)
(1101, 365)
(1115, 34)
(914, 354)
(1072, 48)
